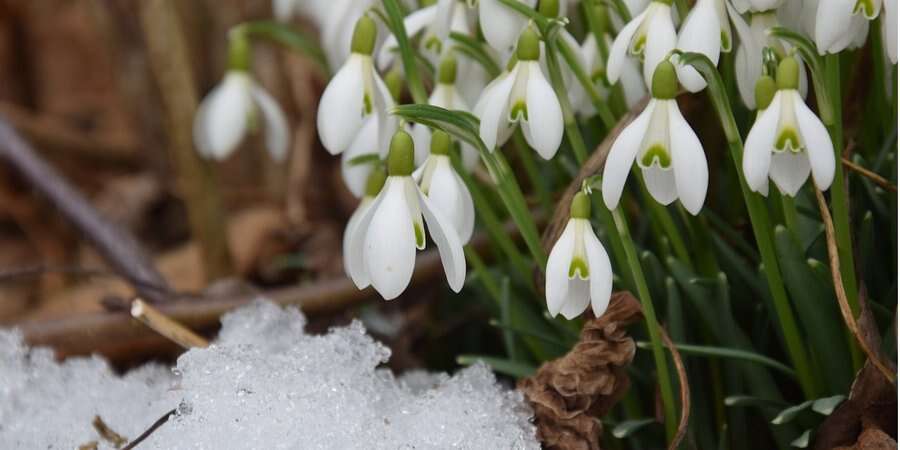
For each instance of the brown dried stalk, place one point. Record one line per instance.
(684, 388)
(846, 312)
(877, 179)
(107, 433)
(165, 326)
(159, 422)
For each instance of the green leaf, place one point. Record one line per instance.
(788, 414)
(738, 401)
(725, 352)
(474, 49)
(504, 366)
(407, 54)
(802, 441)
(716, 89)
(825, 406)
(365, 158)
(626, 428)
(288, 36)
(512, 330)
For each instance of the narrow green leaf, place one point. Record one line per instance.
(476, 50)
(724, 352)
(802, 441)
(788, 414)
(625, 428)
(288, 36)
(513, 330)
(825, 406)
(365, 158)
(738, 401)
(407, 54)
(504, 366)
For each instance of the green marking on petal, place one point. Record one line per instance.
(598, 75)
(726, 41)
(865, 7)
(420, 235)
(367, 104)
(579, 266)
(434, 44)
(788, 139)
(637, 46)
(518, 112)
(657, 153)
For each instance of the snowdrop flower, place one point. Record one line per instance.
(383, 243)
(525, 97)
(356, 173)
(444, 95)
(437, 20)
(788, 140)
(234, 107)
(650, 35)
(840, 23)
(354, 93)
(748, 64)
(373, 185)
(501, 25)
(664, 146)
(445, 189)
(705, 30)
(578, 269)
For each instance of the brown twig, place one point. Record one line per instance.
(846, 312)
(117, 247)
(165, 326)
(197, 181)
(684, 388)
(159, 422)
(107, 433)
(877, 179)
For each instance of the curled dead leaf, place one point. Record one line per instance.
(571, 393)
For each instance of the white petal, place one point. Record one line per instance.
(601, 278)
(544, 112)
(421, 135)
(619, 50)
(470, 156)
(275, 123)
(444, 16)
(760, 144)
(444, 193)
(632, 81)
(413, 24)
(818, 144)
(500, 25)
(449, 246)
(341, 107)
(283, 10)
(353, 262)
(748, 59)
(789, 171)
(390, 243)
(366, 141)
(577, 298)
(621, 156)
(660, 183)
(468, 208)
(556, 285)
(661, 39)
(889, 29)
(688, 161)
(700, 33)
(387, 122)
(221, 121)
(495, 105)
(833, 19)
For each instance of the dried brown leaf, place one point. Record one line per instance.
(872, 404)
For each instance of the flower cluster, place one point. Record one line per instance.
(406, 174)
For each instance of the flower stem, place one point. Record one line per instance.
(659, 356)
(395, 21)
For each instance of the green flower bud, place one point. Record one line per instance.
(581, 206)
(601, 15)
(665, 81)
(549, 8)
(788, 74)
(400, 156)
(364, 36)
(376, 180)
(394, 81)
(765, 92)
(447, 70)
(440, 143)
(529, 46)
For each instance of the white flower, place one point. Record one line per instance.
(748, 64)
(578, 269)
(373, 185)
(842, 24)
(383, 243)
(650, 34)
(788, 141)
(366, 142)
(501, 25)
(444, 95)
(664, 146)
(525, 97)
(443, 186)
(355, 92)
(231, 110)
(756, 5)
(889, 30)
(437, 21)
(633, 87)
(705, 30)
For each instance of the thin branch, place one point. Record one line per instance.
(159, 422)
(877, 179)
(165, 326)
(685, 390)
(846, 312)
(107, 433)
(121, 250)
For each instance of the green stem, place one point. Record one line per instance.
(573, 134)
(789, 209)
(659, 355)
(840, 209)
(480, 269)
(595, 26)
(526, 156)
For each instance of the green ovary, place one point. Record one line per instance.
(656, 153)
(579, 266)
(420, 235)
(433, 44)
(788, 139)
(726, 41)
(519, 110)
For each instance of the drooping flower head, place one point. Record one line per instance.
(650, 36)
(664, 147)
(383, 244)
(705, 30)
(441, 184)
(500, 24)
(522, 96)
(578, 269)
(788, 141)
(355, 93)
(842, 23)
